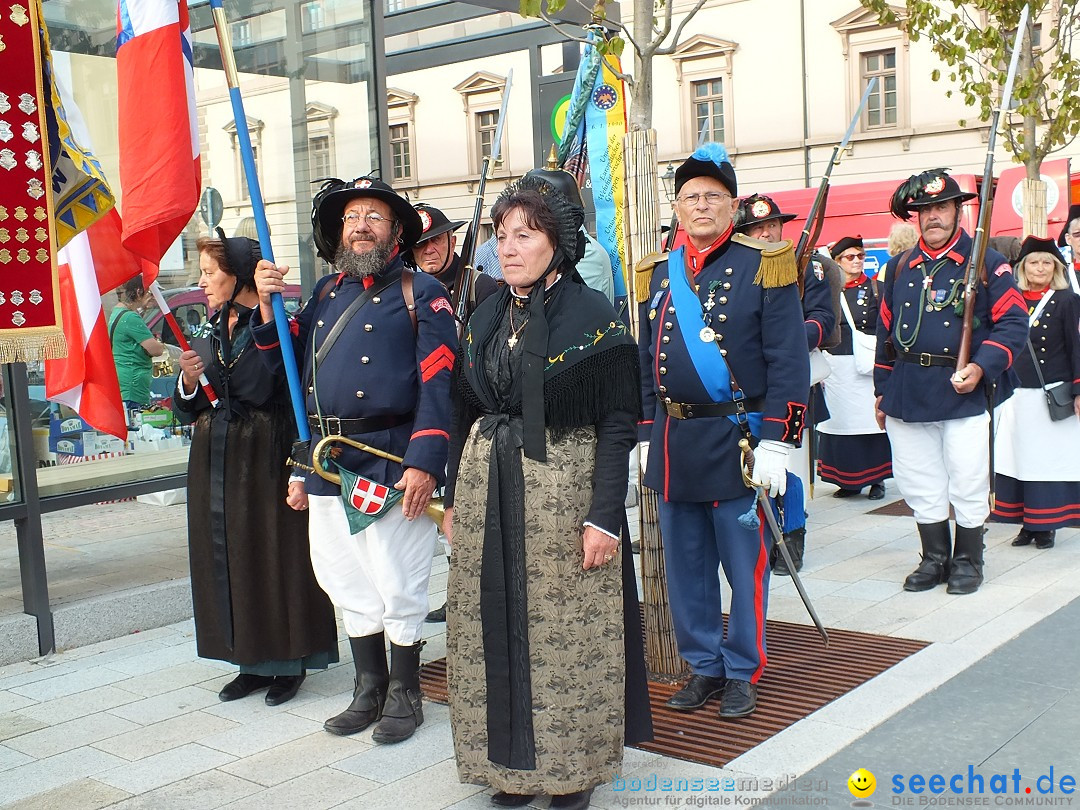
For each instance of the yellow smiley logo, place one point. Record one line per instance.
(862, 784)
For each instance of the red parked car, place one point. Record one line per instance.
(191, 310)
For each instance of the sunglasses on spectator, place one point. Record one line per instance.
(851, 256)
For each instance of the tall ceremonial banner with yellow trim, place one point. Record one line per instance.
(603, 127)
(30, 322)
(81, 193)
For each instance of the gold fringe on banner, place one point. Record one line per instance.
(47, 344)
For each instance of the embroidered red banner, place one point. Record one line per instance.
(30, 322)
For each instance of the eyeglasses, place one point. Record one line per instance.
(352, 219)
(711, 197)
(847, 257)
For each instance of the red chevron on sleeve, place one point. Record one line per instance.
(441, 358)
(1011, 298)
(886, 314)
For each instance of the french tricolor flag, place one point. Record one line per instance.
(160, 175)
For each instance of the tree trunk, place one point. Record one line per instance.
(641, 93)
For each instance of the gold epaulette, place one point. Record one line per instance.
(778, 267)
(643, 274)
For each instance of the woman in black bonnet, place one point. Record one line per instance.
(546, 674)
(256, 600)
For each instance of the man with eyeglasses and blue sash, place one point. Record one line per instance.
(723, 356)
(377, 344)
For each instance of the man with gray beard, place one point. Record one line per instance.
(377, 347)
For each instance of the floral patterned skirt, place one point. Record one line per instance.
(575, 621)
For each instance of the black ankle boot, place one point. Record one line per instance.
(796, 545)
(369, 691)
(933, 569)
(1044, 539)
(403, 710)
(966, 573)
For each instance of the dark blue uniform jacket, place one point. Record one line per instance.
(917, 393)
(378, 367)
(761, 332)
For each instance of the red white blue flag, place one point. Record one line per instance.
(160, 175)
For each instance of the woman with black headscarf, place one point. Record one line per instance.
(256, 600)
(546, 673)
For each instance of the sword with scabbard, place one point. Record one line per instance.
(762, 500)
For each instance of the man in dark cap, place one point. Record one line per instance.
(935, 413)
(434, 254)
(377, 344)
(723, 356)
(760, 217)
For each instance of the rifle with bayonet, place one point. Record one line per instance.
(815, 219)
(462, 292)
(976, 269)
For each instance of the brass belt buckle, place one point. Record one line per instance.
(925, 359)
(676, 410)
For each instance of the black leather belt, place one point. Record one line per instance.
(332, 426)
(925, 359)
(684, 410)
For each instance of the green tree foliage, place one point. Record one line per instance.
(975, 39)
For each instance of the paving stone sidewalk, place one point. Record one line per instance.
(135, 722)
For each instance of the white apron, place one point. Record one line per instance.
(1029, 445)
(849, 396)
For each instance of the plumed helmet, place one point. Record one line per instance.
(927, 188)
(570, 215)
(329, 203)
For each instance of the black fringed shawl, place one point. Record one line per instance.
(590, 377)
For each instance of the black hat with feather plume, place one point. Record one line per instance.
(928, 188)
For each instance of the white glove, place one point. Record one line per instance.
(643, 456)
(770, 466)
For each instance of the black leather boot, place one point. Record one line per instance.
(933, 569)
(796, 545)
(403, 710)
(369, 692)
(966, 573)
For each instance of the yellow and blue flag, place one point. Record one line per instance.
(593, 135)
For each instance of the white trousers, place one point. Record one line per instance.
(936, 464)
(379, 577)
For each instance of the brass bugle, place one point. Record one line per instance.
(434, 510)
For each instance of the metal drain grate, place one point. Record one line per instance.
(802, 676)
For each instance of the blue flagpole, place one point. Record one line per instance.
(281, 319)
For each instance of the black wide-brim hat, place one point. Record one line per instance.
(1035, 244)
(759, 208)
(329, 206)
(845, 242)
(434, 222)
(1074, 213)
(928, 188)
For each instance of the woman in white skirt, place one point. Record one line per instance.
(1038, 458)
(854, 452)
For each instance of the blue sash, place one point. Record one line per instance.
(710, 365)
